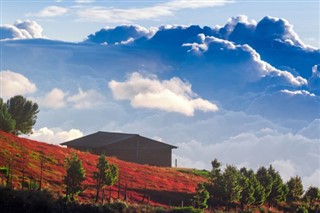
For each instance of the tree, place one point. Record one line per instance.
(101, 174)
(295, 189)
(247, 182)
(201, 197)
(279, 190)
(74, 177)
(312, 194)
(229, 185)
(24, 112)
(7, 123)
(213, 186)
(112, 177)
(265, 180)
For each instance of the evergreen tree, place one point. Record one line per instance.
(295, 189)
(312, 194)
(24, 113)
(74, 177)
(7, 123)
(278, 189)
(201, 197)
(247, 183)
(229, 185)
(265, 180)
(213, 187)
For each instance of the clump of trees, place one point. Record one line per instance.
(233, 187)
(105, 175)
(18, 115)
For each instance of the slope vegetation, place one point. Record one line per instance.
(137, 183)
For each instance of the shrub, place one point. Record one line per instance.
(185, 210)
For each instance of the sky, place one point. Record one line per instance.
(234, 80)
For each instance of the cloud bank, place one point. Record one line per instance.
(170, 95)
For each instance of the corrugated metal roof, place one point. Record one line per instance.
(100, 139)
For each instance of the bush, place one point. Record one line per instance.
(185, 210)
(302, 209)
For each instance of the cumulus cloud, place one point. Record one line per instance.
(51, 11)
(86, 99)
(113, 35)
(54, 99)
(285, 168)
(152, 12)
(21, 30)
(13, 83)
(57, 99)
(171, 95)
(55, 135)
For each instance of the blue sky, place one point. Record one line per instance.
(241, 85)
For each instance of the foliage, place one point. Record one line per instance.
(247, 182)
(24, 112)
(74, 177)
(295, 189)
(7, 123)
(104, 175)
(279, 191)
(265, 180)
(188, 209)
(302, 209)
(201, 197)
(312, 194)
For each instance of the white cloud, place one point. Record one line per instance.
(298, 92)
(285, 168)
(54, 99)
(21, 30)
(156, 11)
(169, 95)
(255, 149)
(86, 99)
(84, 1)
(51, 11)
(55, 136)
(13, 83)
(57, 99)
(312, 180)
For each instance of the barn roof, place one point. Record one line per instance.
(100, 139)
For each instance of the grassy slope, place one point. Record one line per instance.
(164, 186)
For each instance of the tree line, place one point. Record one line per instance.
(243, 187)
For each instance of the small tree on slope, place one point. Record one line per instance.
(74, 177)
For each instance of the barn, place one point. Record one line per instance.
(127, 147)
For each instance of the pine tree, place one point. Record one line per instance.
(229, 185)
(247, 183)
(24, 112)
(278, 189)
(265, 180)
(7, 123)
(74, 177)
(295, 189)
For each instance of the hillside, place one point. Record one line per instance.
(164, 186)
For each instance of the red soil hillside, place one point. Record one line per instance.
(164, 186)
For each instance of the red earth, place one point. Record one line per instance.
(156, 186)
